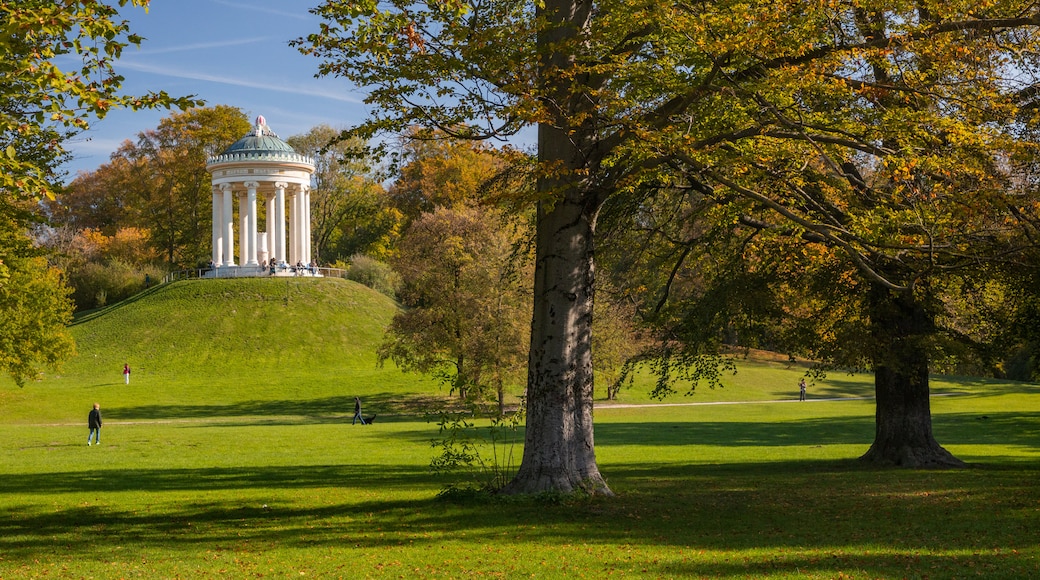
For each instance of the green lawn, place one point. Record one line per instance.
(246, 466)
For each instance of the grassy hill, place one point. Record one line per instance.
(231, 455)
(297, 347)
(226, 348)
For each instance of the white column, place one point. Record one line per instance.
(228, 225)
(270, 229)
(298, 206)
(294, 229)
(250, 229)
(218, 213)
(262, 253)
(279, 220)
(306, 225)
(243, 227)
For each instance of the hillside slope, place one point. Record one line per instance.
(180, 327)
(293, 346)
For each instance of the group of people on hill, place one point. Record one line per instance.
(281, 266)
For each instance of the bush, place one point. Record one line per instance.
(483, 459)
(95, 285)
(375, 274)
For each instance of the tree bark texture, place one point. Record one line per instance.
(903, 419)
(559, 452)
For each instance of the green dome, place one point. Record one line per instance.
(254, 145)
(261, 144)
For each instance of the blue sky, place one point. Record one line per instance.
(226, 52)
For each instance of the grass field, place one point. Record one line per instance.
(231, 455)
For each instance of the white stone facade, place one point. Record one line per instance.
(260, 167)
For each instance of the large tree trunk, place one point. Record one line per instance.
(559, 454)
(903, 419)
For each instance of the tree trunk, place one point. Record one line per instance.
(903, 419)
(559, 454)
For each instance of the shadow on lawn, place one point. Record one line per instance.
(213, 479)
(326, 409)
(1011, 428)
(838, 385)
(810, 517)
(1014, 428)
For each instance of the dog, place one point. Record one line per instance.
(369, 419)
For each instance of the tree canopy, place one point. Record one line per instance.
(42, 105)
(158, 183)
(34, 307)
(870, 128)
(466, 302)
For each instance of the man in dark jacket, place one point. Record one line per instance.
(357, 412)
(94, 423)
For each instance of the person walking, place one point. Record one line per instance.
(94, 424)
(126, 373)
(357, 412)
(801, 390)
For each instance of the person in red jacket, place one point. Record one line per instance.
(126, 373)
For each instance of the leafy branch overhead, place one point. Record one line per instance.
(728, 96)
(57, 74)
(882, 134)
(41, 95)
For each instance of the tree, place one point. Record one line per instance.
(41, 106)
(465, 304)
(44, 104)
(93, 199)
(726, 96)
(103, 269)
(34, 307)
(348, 208)
(616, 341)
(170, 186)
(438, 171)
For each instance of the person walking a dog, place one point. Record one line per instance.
(357, 412)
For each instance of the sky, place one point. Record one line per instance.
(226, 52)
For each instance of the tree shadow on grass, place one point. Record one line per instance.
(320, 410)
(1020, 429)
(840, 385)
(809, 517)
(213, 479)
(1012, 428)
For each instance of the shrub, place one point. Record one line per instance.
(375, 274)
(98, 284)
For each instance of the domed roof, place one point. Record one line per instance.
(259, 144)
(262, 144)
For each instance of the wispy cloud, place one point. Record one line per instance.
(298, 15)
(148, 50)
(239, 82)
